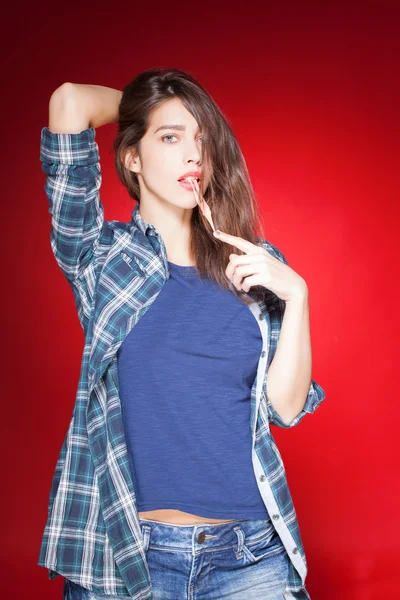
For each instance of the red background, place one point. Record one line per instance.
(312, 92)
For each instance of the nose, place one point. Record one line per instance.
(194, 155)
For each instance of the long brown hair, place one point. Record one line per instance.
(229, 194)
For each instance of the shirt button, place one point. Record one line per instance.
(201, 537)
(275, 517)
(295, 550)
(263, 353)
(262, 478)
(261, 316)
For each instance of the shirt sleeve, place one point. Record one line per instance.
(276, 310)
(71, 163)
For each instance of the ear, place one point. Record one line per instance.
(132, 161)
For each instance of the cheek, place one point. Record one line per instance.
(158, 176)
(153, 168)
(160, 163)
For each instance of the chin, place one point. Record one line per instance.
(189, 204)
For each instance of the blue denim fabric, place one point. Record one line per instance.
(235, 560)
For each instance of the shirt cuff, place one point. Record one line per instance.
(69, 148)
(314, 398)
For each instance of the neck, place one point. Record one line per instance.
(174, 225)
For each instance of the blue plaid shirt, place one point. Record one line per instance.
(116, 270)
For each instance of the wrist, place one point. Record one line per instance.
(299, 294)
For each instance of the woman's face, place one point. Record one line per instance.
(167, 153)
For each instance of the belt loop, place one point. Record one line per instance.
(146, 531)
(241, 537)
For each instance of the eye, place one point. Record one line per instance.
(173, 135)
(168, 136)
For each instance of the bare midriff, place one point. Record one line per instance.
(178, 517)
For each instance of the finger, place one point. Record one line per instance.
(244, 273)
(245, 270)
(243, 263)
(244, 259)
(239, 279)
(238, 242)
(255, 279)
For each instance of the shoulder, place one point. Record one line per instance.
(272, 249)
(114, 224)
(120, 225)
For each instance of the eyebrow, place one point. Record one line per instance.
(175, 127)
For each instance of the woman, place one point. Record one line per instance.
(169, 483)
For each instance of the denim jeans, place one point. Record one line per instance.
(241, 559)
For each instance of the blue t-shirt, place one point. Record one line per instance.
(185, 373)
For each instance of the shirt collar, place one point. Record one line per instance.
(138, 220)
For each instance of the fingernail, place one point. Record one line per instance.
(217, 232)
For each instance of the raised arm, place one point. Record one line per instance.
(70, 158)
(77, 106)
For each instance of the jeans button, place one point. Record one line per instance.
(201, 537)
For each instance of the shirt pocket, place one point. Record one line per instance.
(125, 264)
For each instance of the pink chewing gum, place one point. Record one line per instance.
(205, 209)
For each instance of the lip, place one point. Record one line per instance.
(195, 174)
(185, 184)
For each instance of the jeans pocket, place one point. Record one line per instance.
(267, 543)
(75, 591)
